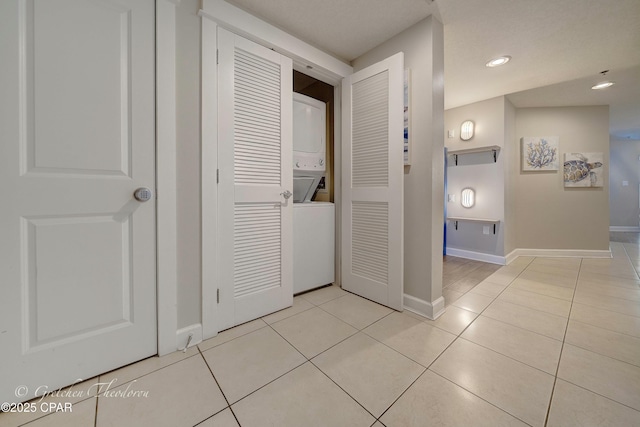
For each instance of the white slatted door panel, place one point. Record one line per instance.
(257, 257)
(370, 132)
(373, 174)
(255, 154)
(256, 119)
(370, 240)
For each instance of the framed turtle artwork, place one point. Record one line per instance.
(583, 170)
(540, 153)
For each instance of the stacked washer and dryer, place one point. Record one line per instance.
(313, 222)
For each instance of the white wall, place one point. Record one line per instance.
(480, 172)
(512, 161)
(549, 215)
(423, 49)
(625, 166)
(537, 211)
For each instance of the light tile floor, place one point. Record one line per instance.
(541, 342)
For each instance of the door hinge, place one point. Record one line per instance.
(218, 295)
(217, 176)
(217, 56)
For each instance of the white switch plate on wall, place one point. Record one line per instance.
(485, 229)
(625, 183)
(451, 133)
(451, 197)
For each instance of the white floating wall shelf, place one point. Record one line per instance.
(485, 149)
(455, 219)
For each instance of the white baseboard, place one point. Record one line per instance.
(182, 336)
(558, 253)
(624, 228)
(423, 308)
(477, 256)
(547, 253)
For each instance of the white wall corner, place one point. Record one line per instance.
(511, 256)
(167, 222)
(424, 308)
(477, 256)
(182, 336)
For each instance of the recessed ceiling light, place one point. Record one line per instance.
(602, 85)
(496, 62)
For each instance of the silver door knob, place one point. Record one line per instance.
(286, 194)
(143, 194)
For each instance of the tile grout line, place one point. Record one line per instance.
(629, 258)
(350, 336)
(459, 336)
(531, 308)
(403, 393)
(427, 368)
(466, 327)
(507, 356)
(609, 330)
(343, 321)
(495, 351)
(601, 395)
(525, 329)
(289, 371)
(479, 397)
(221, 391)
(345, 391)
(264, 385)
(564, 339)
(508, 284)
(95, 417)
(282, 375)
(324, 351)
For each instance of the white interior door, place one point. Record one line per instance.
(77, 252)
(255, 213)
(372, 182)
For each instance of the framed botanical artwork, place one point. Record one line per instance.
(540, 153)
(583, 170)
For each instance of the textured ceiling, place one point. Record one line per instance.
(552, 42)
(343, 28)
(623, 99)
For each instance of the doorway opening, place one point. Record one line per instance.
(314, 213)
(316, 89)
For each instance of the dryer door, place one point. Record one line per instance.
(304, 187)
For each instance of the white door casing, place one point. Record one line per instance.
(372, 182)
(255, 218)
(77, 251)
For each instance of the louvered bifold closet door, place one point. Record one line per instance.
(372, 177)
(255, 169)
